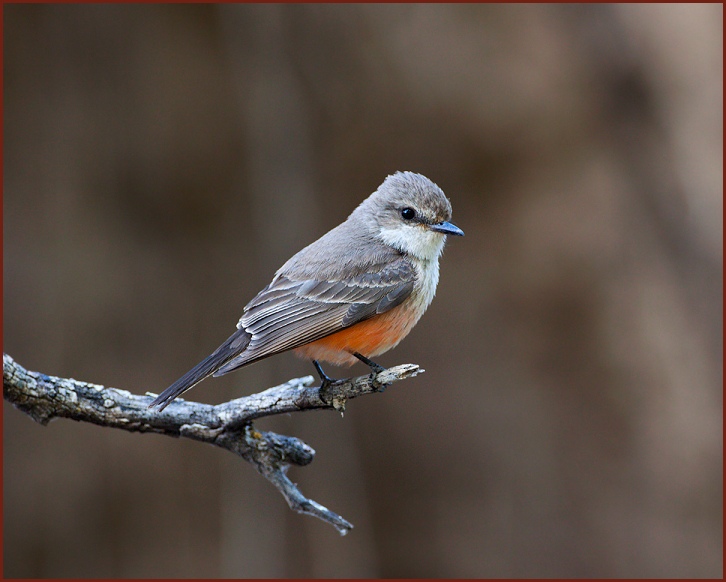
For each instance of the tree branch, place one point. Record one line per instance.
(227, 425)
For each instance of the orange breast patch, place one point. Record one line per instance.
(371, 338)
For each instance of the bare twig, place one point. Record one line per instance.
(227, 425)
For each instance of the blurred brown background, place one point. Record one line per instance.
(161, 162)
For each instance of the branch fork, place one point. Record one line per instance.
(228, 425)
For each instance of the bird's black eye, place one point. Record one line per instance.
(408, 213)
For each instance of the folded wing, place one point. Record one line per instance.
(291, 312)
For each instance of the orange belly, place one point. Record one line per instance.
(370, 338)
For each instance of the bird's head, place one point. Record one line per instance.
(412, 214)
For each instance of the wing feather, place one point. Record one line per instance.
(291, 312)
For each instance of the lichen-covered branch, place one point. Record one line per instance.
(227, 425)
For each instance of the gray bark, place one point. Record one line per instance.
(227, 425)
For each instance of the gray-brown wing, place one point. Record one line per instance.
(289, 313)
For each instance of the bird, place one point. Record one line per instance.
(351, 295)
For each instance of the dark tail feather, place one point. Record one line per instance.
(235, 344)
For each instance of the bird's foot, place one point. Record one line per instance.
(377, 369)
(326, 380)
(328, 392)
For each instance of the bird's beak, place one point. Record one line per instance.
(447, 228)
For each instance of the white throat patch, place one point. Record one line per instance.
(415, 240)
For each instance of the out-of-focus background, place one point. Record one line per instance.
(161, 162)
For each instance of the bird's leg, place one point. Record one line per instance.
(329, 393)
(326, 380)
(377, 369)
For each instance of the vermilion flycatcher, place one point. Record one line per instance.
(352, 294)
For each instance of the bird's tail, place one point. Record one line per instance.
(235, 344)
